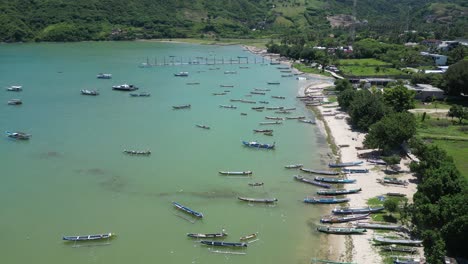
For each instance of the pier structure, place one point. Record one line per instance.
(178, 61)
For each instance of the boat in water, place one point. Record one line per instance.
(89, 92)
(341, 219)
(89, 237)
(18, 135)
(258, 200)
(325, 200)
(138, 152)
(235, 172)
(226, 86)
(271, 123)
(248, 237)
(228, 106)
(104, 76)
(15, 88)
(125, 87)
(278, 97)
(274, 118)
(263, 130)
(386, 240)
(223, 244)
(273, 83)
(334, 180)
(256, 184)
(320, 172)
(181, 106)
(310, 181)
(181, 74)
(212, 235)
(230, 72)
(202, 126)
(187, 210)
(254, 144)
(312, 122)
(338, 191)
(140, 94)
(357, 210)
(295, 117)
(345, 164)
(341, 230)
(293, 166)
(15, 102)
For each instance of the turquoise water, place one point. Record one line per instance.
(72, 178)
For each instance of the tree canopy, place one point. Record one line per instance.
(366, 108)
(399, 98)
(456, 78)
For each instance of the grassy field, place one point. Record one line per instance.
(308, 69)
(369, 71)
(363, 62)
(459, 152)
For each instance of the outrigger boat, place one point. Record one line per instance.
(342, 219)
(181, 106)
(256, 184)
(18, 135)
(228, 106)
(223, 244)
(378, 226)
(334, 180)
(136, 152)
(187, 210)
(181, 74)
(248, 237)
(254, 144)
(213, 235)
(88, 237)
(278, 97)
(89, 92)
(395, 181)
(203, 126)
(15, 88)
(15, 102)
(338, 191)
(320, 172)
(263, 130)
(357, 210)
(256, 200)
(293, 166)
(325, 200)
(274, 118)
(341, 230)
(235, 172)
(345, 170)
(386, 240)
(345, 164)
(125, 87)
(310, 181)
(271, 123)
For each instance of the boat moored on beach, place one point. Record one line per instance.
(346, 170)
(341, 230)
(386, 240)
(335, 180)
(338, 191)
(357, 210)
(384, 226)
(345, 164)
(341, 219)
(325, 200)
(320, 172)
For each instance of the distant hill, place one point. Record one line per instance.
(73, 20)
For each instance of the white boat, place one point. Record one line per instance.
(15, 88)
(14, 102)
(104, 76)
(89, 92)
(125, 87)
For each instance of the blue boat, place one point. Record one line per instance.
(88, 237)
(187, 210)
(345, 164)
(310, 181)
(325, 200)
(334, 180)
(254, 144)
(355, 170)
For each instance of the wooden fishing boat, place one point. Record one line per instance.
(254, 144)
(310, 181)
(346, 170)
(283, 112)
(338, 191)
(256, 184)
(278, 97)
(228, 106)
(325, 200)
(212, 235)
(384, 226)
(268, 133)
(247, 101)
(264, 90)
(187, 210)
(219, 93)
(181, 106)
(192, 83)
(258, 108)
(181, 74)
(202, 126)
(275, 108)
(307, 121)
(334, 180)
(320, 172)
(104, 76)
(89, 237)
(342, 219)
(223, 244)
(388, 180)
(271, 123)
(248, 237)
(15, 102)
(295, 117)
(341, 230)
(258, 200)
(293, 166)
(273, 118)
(18, 135)
(273, 83)
(260, 93)
(357, 210)
(395, 248)
(345, 164)
(137, 152)
(225, 86)
(235, 172)
(377, 161)
(386, 240)
(264, 102)
(263, 130)
(15, 88)
(396, 194)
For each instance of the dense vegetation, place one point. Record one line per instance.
(386, 20)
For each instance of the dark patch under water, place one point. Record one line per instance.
(50, 154)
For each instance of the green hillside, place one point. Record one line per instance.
(72, 20)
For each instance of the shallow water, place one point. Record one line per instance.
(72, 178)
